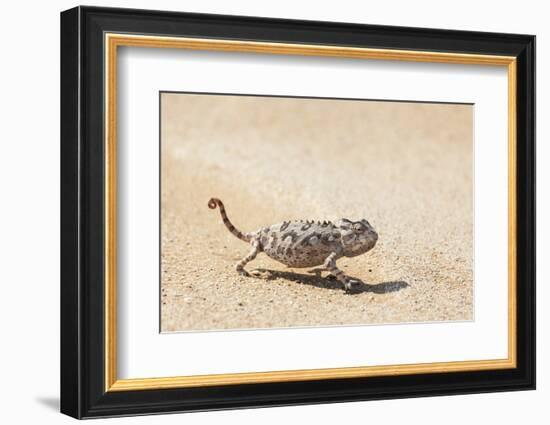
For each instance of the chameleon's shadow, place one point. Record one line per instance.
(326, 283)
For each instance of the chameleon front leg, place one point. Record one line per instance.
(330, 265)
(250, 256)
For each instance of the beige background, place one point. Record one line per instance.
(406, 167)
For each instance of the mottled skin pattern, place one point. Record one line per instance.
(306, 243)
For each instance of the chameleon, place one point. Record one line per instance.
(304, 243)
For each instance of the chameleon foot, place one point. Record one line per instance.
(242, 271)
(350, 284)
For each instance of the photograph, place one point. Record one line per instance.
(282, 212)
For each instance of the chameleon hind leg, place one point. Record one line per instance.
(249, 257)
(330, 265)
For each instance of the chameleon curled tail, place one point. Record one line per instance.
(215, 202)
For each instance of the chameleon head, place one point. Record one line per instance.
(357, 237)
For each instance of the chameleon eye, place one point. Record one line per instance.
(358, 227)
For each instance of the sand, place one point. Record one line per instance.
(406, 167)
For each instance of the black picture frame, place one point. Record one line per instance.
(83, 392)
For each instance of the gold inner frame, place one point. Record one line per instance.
(113, 41)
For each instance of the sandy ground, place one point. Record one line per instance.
(405, 167)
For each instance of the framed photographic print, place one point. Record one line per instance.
(261, 212)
